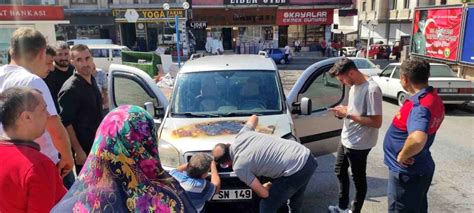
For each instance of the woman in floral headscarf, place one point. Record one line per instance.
(123, 172)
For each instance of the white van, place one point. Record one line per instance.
(106, 54)
(214, 95)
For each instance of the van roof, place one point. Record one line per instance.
(229, 62)
(113, 46)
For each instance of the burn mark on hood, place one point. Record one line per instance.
(216, 128)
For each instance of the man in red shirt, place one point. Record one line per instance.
(29, 181)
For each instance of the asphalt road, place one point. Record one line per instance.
(453, 152)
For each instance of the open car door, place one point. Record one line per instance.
(318, 128)
(130, 85)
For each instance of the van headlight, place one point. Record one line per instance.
(169, 155)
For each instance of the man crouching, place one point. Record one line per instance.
(287, 162)
(192, 177)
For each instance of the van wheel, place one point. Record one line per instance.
(282, 61)
(401, 98)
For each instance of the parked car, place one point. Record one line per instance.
(452, 89)
(278, 55)
(349, 51)
(379, 51)
(107, 54)
(366, 66)
(214, 95)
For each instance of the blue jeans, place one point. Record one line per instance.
(291, 187)
(408, 193)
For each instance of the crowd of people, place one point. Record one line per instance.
(52, 107)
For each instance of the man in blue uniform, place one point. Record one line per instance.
(409, 138)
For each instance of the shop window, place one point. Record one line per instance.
(393, 4)
(5, 1)
(84, 1)
(406, 4)
(373, 5)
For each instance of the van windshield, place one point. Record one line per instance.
(227, 93)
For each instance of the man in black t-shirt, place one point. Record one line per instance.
(62, 71)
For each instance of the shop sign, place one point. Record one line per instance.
(467, 55)
(436, 32)
(304, 16)
(31, 13)
(236, 16)
(257, 2)
(319, 2)
(144, 14)
(197, 25)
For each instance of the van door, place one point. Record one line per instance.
(101, 58)
(321, 130)
(130, 85)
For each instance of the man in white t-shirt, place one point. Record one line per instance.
(287, 52)
(27, 68)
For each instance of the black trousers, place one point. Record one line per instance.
(357, 160)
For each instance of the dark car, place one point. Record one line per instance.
(278, 55)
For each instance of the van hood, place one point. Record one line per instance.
(202, 134)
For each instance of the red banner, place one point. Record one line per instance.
(31, 13)
(436, 32)
(305, 16)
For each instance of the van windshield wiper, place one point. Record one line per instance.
(230, 114)
(197, 115)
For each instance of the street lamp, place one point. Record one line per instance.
(185, 6)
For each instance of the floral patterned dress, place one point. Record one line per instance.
(123, 172)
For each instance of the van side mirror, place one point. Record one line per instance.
(306, 106)
(150, 108)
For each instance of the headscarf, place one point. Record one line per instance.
(123, 172)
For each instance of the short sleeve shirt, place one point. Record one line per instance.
(101, 79)
(14, 76)
(259, 155)
(364, 100)
(81, 107)
(423, 112)
(198, 190)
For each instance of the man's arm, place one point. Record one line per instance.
(261, 190)
(80, 154)
(415, 142)
(61, 142)
(182, 167)
(215, 179)
(374, 121)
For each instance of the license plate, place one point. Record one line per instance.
(448, 90)
(233, 194)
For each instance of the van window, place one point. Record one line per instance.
(129, 91)
(116, 53)
(324, 92)
(100, 53)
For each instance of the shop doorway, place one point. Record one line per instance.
(282, 36)
(129, 36)
(227, 38)
(152, 38)
(199, 36)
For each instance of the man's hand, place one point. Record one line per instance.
(405, 162)
(81, 157)
(267, 185)
(65, 165)
(339, 111)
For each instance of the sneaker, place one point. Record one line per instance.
(336, 209)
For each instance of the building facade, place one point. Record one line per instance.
(42, 15)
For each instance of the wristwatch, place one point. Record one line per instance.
(348, 116)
